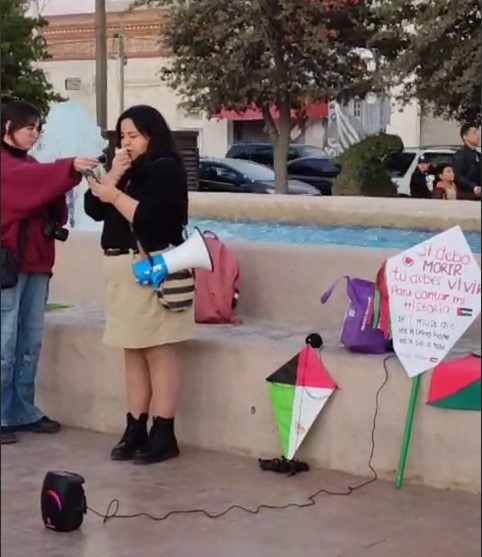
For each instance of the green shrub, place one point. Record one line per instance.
(362, 170)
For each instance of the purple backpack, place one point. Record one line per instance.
(356, 334)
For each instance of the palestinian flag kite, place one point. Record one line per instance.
(299, 390)
(456, 384)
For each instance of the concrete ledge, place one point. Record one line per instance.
(427, 214)
(225, 402)
(279, 283)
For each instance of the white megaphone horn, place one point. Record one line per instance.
(191, 254)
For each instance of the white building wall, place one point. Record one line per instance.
(142, 86)
(315, 132)
(405, 122)
(62, 7)
(435, 131)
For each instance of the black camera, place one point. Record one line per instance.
(53, 230)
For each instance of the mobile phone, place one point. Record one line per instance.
(88, 173)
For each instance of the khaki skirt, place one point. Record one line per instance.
(134, 316)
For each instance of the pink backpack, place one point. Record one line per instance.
(216, 292)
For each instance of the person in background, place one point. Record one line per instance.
(143, 203)
(33, 211)
(447, 188)
(466, 161)
(423, 179)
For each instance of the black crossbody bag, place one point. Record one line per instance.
(10, 260)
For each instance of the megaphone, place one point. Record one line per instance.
(191, 254)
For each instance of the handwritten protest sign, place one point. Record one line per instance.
(434, 296)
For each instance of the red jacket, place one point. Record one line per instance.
(32, 191)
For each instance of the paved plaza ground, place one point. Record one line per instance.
(377, 521)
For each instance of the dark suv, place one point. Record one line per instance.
(262, 153)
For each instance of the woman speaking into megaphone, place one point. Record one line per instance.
(143, 204)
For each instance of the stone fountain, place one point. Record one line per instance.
(70, 131)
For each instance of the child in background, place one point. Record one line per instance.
(446, 187)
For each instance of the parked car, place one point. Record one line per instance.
(263, 152)
(400, 166)
(318, 171)
(240, 176)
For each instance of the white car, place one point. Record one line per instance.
(401, 166)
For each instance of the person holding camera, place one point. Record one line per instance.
(33, 213)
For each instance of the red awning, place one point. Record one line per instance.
(317, 110)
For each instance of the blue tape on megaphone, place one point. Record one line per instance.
(150, 274)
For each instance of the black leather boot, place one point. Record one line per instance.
(7, 437)
(135, 437)
(44, 425)
(161, 445)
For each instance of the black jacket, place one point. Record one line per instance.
(466, 164)
(160, 186)
(418, 183)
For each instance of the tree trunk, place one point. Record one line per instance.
(279, 133)
(281, 158)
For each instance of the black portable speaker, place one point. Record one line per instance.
(63, 501)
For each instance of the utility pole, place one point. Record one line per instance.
(101, 64)
(122, 62)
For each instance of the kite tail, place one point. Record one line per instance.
(370, 315)
(377, 301)
(379, 310)
(385, 324)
